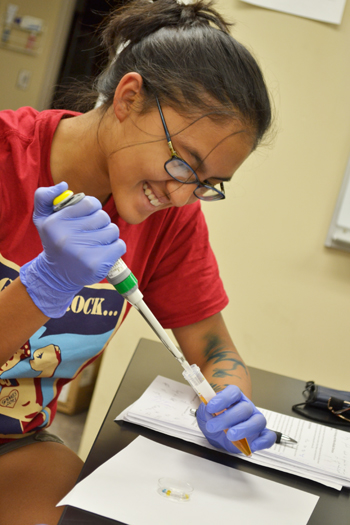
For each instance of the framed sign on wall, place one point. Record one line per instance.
(339, 231)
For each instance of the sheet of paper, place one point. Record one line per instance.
(322, 453)
(125, 489)
(323, 10)
(323, 448)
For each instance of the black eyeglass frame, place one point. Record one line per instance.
(220, 193)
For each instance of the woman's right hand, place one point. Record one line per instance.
(80, 247)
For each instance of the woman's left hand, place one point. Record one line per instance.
(240, 418)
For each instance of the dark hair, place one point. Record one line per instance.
(184, 53)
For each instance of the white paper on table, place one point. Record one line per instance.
(125, 489)
(322, 453)
(330, 11)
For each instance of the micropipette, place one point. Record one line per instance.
(124, 281)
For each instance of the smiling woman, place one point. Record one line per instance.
(144, 152)
(183, 104)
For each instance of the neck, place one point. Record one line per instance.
(77, 156)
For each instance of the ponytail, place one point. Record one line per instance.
(184, 53)
(140, 18)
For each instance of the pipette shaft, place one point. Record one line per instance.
(124, 281)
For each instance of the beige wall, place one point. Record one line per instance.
(289, 295)
(43, 67)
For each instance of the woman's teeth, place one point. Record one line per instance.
(151, 197)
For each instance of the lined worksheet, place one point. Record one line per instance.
(321, 453)
(324, 448)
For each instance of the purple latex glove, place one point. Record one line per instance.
(241, 419)
(80, 247)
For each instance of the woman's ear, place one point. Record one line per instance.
(127, 93)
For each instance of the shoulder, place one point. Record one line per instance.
(25, 144)
(17, 121)
(24, 122)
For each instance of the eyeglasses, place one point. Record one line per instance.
(179, 170)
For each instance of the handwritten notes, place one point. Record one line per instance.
(322, 453)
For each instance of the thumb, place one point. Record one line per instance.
(203, 415)
(43, 199)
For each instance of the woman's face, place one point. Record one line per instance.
(139, 182)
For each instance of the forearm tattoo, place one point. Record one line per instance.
(216, 352)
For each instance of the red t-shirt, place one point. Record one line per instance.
(169, 253)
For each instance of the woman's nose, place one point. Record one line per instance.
(180, 194)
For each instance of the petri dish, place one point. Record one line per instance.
(174, 489)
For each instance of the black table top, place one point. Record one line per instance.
(272, 391)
